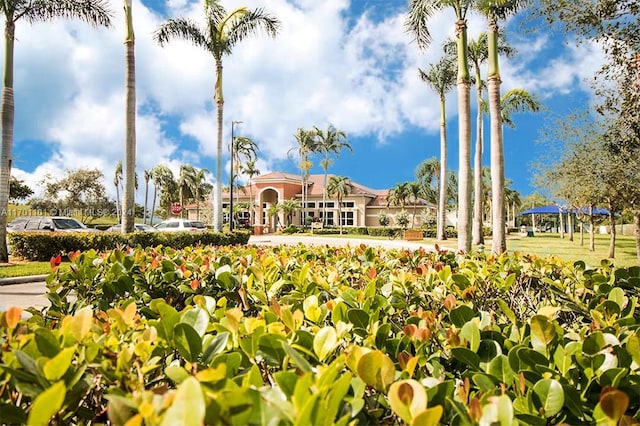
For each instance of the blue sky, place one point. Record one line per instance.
(343, 62)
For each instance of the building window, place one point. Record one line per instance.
(329, 205)
(349, 204)
(329, 220)
(347, 218)
(225, 205)
(311, 205)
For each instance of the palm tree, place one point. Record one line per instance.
(338, 188)
(307, 144)
(199, 183)
(244, 149)
(420, 12)
(331, 141)
(94, 12)
(251, 170)
(128, 204)
(496, 10)
(147, 178)
(288, 207)
(117, 182)
(162, 179)
(414, 193)
(398, 195)
(441, 77)
(223, 32)
(186, 183)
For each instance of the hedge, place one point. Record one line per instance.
(40, 246)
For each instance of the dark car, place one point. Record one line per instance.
(47, 223)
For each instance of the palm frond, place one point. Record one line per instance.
(244, 22)
(416, 23)
(94, 12)
(180, 28)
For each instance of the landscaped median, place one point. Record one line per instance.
(325, 335)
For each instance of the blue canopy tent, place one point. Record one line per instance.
(553, 209)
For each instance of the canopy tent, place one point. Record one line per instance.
(554, 209)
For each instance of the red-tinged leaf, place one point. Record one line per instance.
(195, 284)
(74, 255)
(450, 302)
(154, 263)
(410, 330)
(373, 273)
(614, 403)
(12, 316)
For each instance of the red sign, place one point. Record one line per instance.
(176, 208)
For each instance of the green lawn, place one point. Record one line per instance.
(20, 269)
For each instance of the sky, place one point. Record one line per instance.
(346, 63)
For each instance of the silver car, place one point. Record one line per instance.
(177, 225)
(141, 227)
(47, 223)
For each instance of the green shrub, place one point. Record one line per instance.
(43, 246)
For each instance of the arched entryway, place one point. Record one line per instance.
(268, 198)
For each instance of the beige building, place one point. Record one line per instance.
(361, 208)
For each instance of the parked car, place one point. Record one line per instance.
(138, 227)
(177, 225)
(47, 223)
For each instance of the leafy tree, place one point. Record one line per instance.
(288, 207)
(95, 12)
(339, 187)
(331, 141)
(441, 77)
(130, 181)
(383, 219)
(244, 150)
(18, 190)
(147, 178)
(117, 182)
(398, 195)
(224, 30)
(201, 187)
(163, 181)
(80, 192)
(420, 12)
(186, 184)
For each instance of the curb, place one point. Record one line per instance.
(22, 280)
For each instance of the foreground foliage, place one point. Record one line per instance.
(325, 335)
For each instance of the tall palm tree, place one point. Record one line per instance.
(163, 180)
(416, 23)
(244, 149)
(186, 183)
(307, 144)
(224, 30)
(128, 204)
(338, 188)
(331, 141)
(251, 170)
(414, 194)
(147, 178)
(199, 183)
(117, 182)
(496, 10)
(398, 195)
(94, 12)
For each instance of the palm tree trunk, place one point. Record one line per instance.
(478, 206)
(592, 230)
(570, 225)
(118, 212)
(128, 208)
(464, 140)
(153, 203)
(441, 234)
(499, 243)
(8, 108)
(146, 200)
(217, 209)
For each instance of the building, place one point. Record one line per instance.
(361, 208)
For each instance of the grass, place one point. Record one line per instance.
(20, 269)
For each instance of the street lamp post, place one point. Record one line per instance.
(231, 149)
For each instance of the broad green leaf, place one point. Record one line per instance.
(429, 417)
(358, 318)
(176, 373)
(187, 407)
(461, 314)
(377, 370)
(80, 324)
(507, 311)
(543, 332)
(197, 318)
(271, 347)
(298, 359)
(551, 396)
(633, 347)
(286, 381)
(47, 404)
(47, 342)
(407, 398)
(501, 370)
(187, 341)
(466, 356)
(471, 333)
(212, 374)
(333, 401)
(325, 342)
(311, 309)
(55, 367)
(617, 295)
(217, 346)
